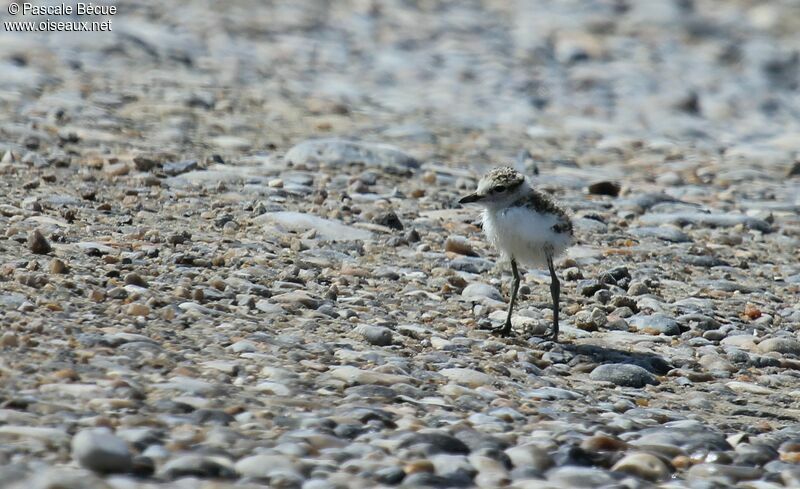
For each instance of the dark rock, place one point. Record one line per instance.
(389, 219)
(38, 244)
(588, 287)
(436, 442)
(605, 187)
(212, 416)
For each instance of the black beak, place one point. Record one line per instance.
(469, 198)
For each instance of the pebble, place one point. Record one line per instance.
(352, 375)
(325, 229)
(625, 375)
(9, 339)
(38, 244)
(784, 345)
(655, 324)
(137, 310)
(459, 246)
(467, 377)
(101, 451)
(605, 187)
(644, 465)
(375, 335)
(339, 152)
(480, 291)
(201, 466)
(58, 267)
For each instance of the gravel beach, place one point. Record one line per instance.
(231, 253)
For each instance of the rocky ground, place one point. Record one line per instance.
(232, 256)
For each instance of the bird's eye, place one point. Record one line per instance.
(500, 189)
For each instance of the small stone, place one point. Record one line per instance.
(416, 466)
(530, 456)
(375, 335)
(623, 374)
(603, 443)
(197, 466)
(117, 169)
(389, 219)
(57, 266)
(605, 187)
(591, 321)
(353, 375)
(655, 324)
(479, 291)
(638, 288)
(267, 466)
(144, 163)
(341, 152)
(38, 244)
(459, 245)
(101, 451)
(135, 309)
(579, 477)
(436, 442)
(9, 339)
(180, 167)
(135, 279)
(726, 474)
(643, 465)
(467, 377)
(588, 287)
(298, 297)
(781, 344)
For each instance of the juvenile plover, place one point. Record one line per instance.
(526, 226)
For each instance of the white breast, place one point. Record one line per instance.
(524, 235)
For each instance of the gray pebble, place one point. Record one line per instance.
(101, 451)
(623, 374)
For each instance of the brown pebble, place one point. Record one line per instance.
(605, 187)
(459, 245)
(57, 266)
(9, 339)
(38, 243)
(134, 278)
(96, 295)
(419, 466)
(681, 462)
(117, 169)
(138, 310)
(751, 311)
(66, 374)
(603, 443)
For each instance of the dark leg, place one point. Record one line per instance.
(506, 329)
(555, 291)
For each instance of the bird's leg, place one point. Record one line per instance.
(555, 291)
(506, 329)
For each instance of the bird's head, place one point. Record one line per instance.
(496, 187)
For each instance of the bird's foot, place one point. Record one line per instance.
(503, 331)
(553, 335)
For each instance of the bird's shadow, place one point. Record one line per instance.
(651, 362)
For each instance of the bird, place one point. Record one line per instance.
(526, 226)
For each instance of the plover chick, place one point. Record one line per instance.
(526, 226)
